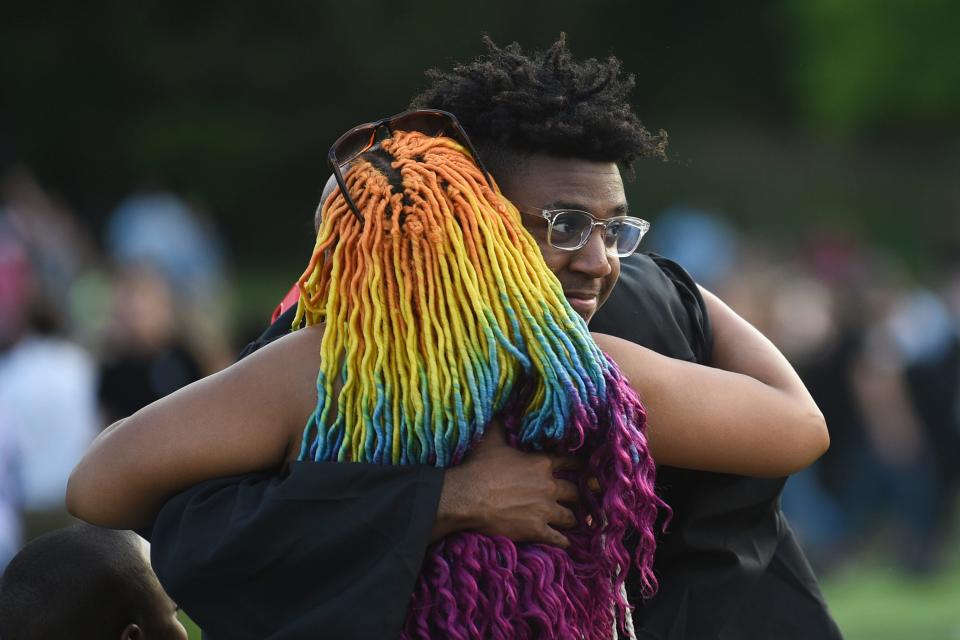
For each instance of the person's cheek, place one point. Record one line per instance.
(553, 260)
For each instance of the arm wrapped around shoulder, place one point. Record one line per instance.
(748, 414)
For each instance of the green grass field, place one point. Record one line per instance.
(192, 630)
(879, 603)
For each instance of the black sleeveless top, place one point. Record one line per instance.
(729, 566)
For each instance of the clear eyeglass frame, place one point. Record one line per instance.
(615, 245)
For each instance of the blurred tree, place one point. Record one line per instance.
(235, 103)
(866, 66)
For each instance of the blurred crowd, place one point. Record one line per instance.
(93, 328)
(879, 350)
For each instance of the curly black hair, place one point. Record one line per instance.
(546, 102)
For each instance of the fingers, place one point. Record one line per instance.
(593, 484)
(567, 491)
(549, 535)
(565, 463)
(563, 518)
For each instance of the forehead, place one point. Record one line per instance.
(548, 181)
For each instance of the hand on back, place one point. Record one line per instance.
(499, 490)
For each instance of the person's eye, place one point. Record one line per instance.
(615, 229)
(569, 223)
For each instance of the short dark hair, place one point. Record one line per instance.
(79, 582)
(511, 103)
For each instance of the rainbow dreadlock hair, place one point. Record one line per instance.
(440, 315)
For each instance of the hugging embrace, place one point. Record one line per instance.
(441, 447)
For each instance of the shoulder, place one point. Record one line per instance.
(657, 304)
(296, 352)
(653, 274)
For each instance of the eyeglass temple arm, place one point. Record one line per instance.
(338, 176)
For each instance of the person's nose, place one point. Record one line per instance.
(592, 259)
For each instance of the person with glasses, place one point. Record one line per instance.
(664, 309)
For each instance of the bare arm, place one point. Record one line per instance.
(751, 415)
(251, 416)
(244, 418)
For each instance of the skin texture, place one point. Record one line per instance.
(165, 625)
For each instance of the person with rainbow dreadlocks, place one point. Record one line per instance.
(712, 455)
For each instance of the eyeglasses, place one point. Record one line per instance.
(569, 230)
(364, 137)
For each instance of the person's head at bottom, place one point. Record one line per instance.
(84, 582)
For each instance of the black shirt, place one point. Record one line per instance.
(130, 380)
(729, 566)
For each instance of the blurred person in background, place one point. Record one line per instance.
(60, 248)
(879, 355)
(934, 379)
(155, 227)
(705, 243)
(68, 281)
(47, 392)
(13, 278)
(907, 383)
(10, 526)
(144, 356)
(809, 320)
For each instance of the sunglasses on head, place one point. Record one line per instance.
(364, 137)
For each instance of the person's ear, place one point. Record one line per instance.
(132, 632)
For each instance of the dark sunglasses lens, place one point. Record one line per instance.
(353, 144)
(433, 124)
(568, 229)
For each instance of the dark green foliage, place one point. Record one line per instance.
(236, 103)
